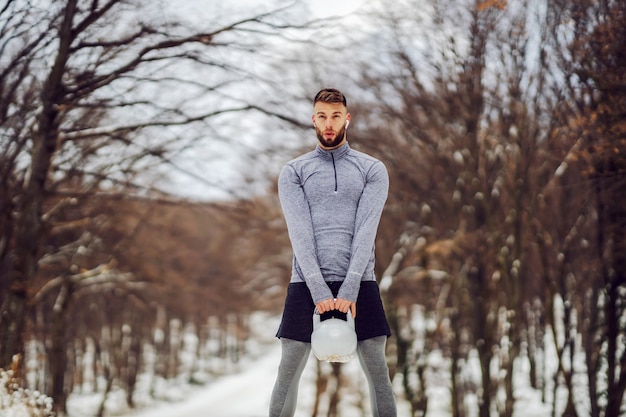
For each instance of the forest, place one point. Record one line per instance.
(140, 144)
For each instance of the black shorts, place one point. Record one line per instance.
(297, 321)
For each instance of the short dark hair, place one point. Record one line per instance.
(330, 95)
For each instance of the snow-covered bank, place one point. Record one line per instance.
(245, 389)
(245, 393)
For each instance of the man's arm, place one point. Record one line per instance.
(368, 214)
(300, 227)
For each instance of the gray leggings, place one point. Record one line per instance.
(371, 353)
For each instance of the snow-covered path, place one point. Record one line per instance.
(245, 394)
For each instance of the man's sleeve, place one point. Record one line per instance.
(300, 227)
(368, 214)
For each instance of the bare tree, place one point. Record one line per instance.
(593, 115)
(469, 122)
(89, 103)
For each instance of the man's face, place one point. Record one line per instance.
(330, 124)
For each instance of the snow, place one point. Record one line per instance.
(244, 389)
(246, 393)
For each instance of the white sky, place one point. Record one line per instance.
(327, 8)
(221, 163)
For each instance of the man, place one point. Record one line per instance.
(332, 199)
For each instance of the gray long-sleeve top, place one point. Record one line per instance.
(332, 202)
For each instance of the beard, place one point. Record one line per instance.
(330, 143)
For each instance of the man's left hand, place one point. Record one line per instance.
(344, 305)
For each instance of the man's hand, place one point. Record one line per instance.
(344, 305)
(325, 305)
(340, 304)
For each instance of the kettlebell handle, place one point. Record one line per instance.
(317, 319)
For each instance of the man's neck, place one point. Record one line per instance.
(332, 148)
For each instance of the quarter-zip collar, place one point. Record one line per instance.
(334, 155)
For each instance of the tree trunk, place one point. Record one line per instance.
(58, 354)
(133, 365)
(484, 403)
(29, 230)
(321, 382)
(333, 402)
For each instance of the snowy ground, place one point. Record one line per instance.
(245, 389)
(246, 393)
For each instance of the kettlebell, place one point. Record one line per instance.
(334, 339)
